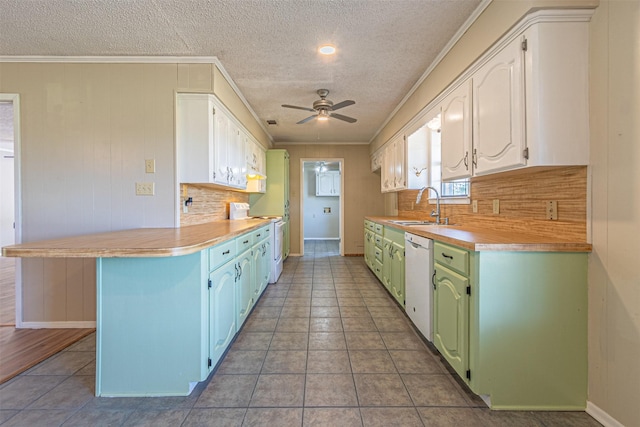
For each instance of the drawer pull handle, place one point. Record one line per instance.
(226, 252)
(447, 256)
(245, 242)
(259, 235)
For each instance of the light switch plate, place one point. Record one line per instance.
(496, 206)
(145, 188)
(474, 206)
(150, 166)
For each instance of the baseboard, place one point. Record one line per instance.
(58, 325)
(601, 416)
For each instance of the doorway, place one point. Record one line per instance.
(10, 290)
(321, 203)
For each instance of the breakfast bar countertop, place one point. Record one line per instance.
(483, 239)
(139, 242)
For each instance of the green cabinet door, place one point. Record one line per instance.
(222, 312)
(386, 262)
(244, 286)
(396, 282)
(451, 318)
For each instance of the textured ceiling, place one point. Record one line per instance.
(267, 46)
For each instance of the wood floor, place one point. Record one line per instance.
(20, 349)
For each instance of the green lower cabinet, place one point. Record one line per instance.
(386, 263)
(396, 283)
(514, 325)
(222, 315)
(451, 318)
(244, 287)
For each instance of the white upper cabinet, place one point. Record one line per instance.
(210, 142)
(455, 129)
(393, 173)
(328, 183)
(499, 111)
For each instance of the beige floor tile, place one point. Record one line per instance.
(293, 324)
(351, 302)
(72, 393)
(385, 417)
(325, 324)
(328, 362)
(327, 341)
(227, 391)
(297, 301)
(278, 390)
(385, 312)
(266, 311)
(358, 324)
(220, 417)
(323, 293)
(318, 311)
(289, 341)
(350, 311)
(371, 362)
(381, 390)
(364, 341)
(416, 362)
(271, 301)
(332, 417)
(450, 417)
(402, 341)
(432, 390)
(295, 311)
(324, 302)
(285, 362)
(260, 324)
(252, 341)
(330, 390)
(242, 362)
(391, 324)
(273, 417)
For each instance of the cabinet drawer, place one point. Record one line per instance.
(369, 225)
(378, 228)
(259, 234)
(378, 240)
(377, 269)
(378, 253)
(455, 258)
(220, 254)
(244, 242)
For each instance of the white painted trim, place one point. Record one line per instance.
(601, 416)
(341, 197)
(322, 238)
(545, 15)
(456, 37)
(17, 196)
(59, 325)
(283, 143)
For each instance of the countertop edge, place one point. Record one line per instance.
(486, 240)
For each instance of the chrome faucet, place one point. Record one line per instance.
(435, 213)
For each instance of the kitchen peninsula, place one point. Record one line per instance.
(169, 300)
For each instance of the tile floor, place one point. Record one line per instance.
(325, 346)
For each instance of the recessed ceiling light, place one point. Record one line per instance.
(327, 49)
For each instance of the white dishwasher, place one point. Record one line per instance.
(418, 287)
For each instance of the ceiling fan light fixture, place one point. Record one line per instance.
(323, 115)
(327, 49)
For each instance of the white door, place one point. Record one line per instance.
(499, 111)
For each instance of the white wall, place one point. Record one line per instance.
(614, 277)
(7, 232)
(317, 224)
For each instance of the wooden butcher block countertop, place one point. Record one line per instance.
(482, 239)
(141, 242)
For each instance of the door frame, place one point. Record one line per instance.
(14, 98)
(340, 162)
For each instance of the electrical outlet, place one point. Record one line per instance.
(150, 166)
(474, 206)
(496, 206)
(552, 210)
(145, 188)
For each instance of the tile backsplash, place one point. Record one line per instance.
(523, 195)
(208, 203)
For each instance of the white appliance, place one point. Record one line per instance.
(240, 211)
(418, 285)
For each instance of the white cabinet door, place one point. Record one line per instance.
(194, 138)
(236, 160)
(388, 169)
(456, 133)
(399, 162)
(498, 112)
(222, 172)
(328, 183)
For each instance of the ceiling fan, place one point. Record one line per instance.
(324, 109)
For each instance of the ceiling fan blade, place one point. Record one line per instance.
(299, 108)
(342, 104)
(307, 119)
(343, 118)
